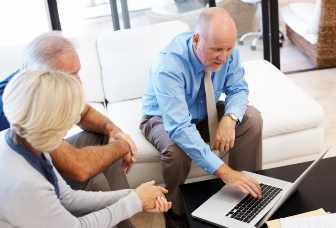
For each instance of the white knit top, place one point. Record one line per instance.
(29, 200)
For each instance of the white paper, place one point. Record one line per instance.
(322, 221)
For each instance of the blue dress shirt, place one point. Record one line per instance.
(175, 91)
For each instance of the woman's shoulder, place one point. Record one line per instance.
(19, 182)
(15, 171)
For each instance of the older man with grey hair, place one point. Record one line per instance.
(95, 159)
(182, 99)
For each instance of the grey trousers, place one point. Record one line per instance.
(109, 180)
(245, 155)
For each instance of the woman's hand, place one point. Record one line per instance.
(161, 205)
(152, 197)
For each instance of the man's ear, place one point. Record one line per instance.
(195, 40)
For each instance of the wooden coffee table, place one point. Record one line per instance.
(317, 191)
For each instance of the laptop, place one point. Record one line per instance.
(230, 207)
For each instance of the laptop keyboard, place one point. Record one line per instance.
(249, 207)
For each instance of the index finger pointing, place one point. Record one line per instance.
(255, 188)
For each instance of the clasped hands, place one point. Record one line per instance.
(128, 160)
(152, 197)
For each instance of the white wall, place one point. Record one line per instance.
(22, 20)
(70, 13)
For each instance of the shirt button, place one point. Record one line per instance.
(188, 154)
(201, 117)
(205, 169)
(201, 101)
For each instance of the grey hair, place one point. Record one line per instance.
(41, 106)
(42, 51)
(205, 18)
(203, 21)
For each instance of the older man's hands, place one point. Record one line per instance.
(225, 134)
(129, 159)
(152, 197)
(239, 180)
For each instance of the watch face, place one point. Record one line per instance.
(235, 118)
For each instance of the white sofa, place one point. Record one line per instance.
(114, 74)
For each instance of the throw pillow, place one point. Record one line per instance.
(313, 25)
(304, 10)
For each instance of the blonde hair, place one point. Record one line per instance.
(41, 106)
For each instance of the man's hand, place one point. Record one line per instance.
(239, 180)
(92, 120)
(129, 159)
(225, 134)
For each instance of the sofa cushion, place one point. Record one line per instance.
(100, 107)
(315, 19)
(310, 13)
(304, 10)
(10, 57)
(90, 72)
(297, 23)
(285, 108)
(127, 116)
(128, 80)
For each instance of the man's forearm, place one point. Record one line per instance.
(82, 164)
(94, 121)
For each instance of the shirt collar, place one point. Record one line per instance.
(32, 158)
(196, 64)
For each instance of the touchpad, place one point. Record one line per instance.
(231, 194)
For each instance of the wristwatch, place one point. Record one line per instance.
(233, 116)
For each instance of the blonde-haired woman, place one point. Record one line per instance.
(41, 106)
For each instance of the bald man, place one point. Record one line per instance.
(175, 111)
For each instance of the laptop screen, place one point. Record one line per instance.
(291, 190)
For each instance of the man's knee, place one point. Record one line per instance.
(117, 180)
(175, 162)
(98, 183)
(254, 119)
(174, 154)
(87, 138)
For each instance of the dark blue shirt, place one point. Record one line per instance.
(40, 163)
(3, 119)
